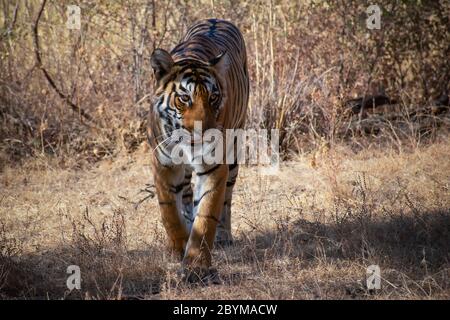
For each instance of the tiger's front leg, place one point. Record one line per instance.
(169, 189)
(209, 197)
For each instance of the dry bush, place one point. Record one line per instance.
(306, 61)
(371, 192)
(109, 270)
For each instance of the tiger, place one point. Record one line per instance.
(204, 79)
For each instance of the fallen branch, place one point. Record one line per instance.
(366, 102)
(37, 52)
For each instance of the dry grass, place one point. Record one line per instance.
(308, 233)
(361, 188)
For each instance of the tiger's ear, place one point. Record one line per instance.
(161, 62)
(221, 63)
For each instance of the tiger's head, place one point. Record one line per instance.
(189, 90)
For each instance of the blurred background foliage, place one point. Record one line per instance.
(316, 72)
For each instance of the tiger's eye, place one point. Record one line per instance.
(213, 96)
(184, 98)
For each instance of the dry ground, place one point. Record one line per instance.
(308, 233)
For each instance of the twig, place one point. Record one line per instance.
(151, 194)
(37, 52)
(148, 190)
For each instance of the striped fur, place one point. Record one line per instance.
(205, 79)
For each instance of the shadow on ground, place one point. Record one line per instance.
(406, 242)
(417, 245)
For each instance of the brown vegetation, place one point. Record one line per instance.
(364, 122)
(308, 233)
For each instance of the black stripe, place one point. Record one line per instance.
(189, 81)
(164, 153)
(196, 202)
(162, 164)
(188, 217)
(166, 203)
(208, 217)
(209, 171)
(188, 74)
(231, 183)
(178, 188)
(192, 64)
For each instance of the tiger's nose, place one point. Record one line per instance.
(206, 116)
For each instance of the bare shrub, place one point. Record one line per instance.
(306, 60)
